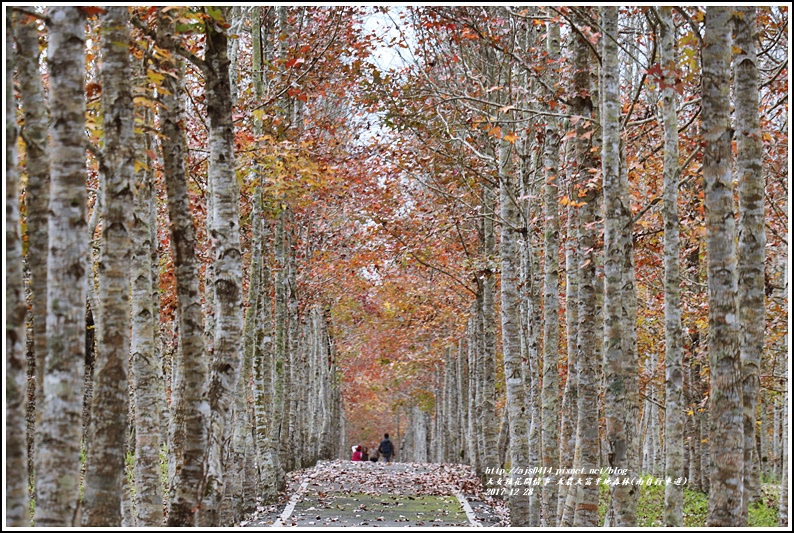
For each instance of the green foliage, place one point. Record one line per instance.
(650, 507)
(696, 508)
(761, 515)
(164, 467)
(765, 512)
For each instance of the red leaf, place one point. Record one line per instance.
(92, 89)
(92, 11)
(295, 61)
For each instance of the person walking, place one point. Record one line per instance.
(386, 448)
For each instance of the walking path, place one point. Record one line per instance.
(366, 494)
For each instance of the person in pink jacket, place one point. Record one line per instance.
(357, 454)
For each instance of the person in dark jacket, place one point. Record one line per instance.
(386, 448)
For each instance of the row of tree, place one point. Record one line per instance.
(485, 243)
(174, 372)
(566, 142)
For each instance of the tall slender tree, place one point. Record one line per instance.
(511, 330)
(58, 460)
(37, 168)
(752, 239)
(725, 399)
(107, 453)
(620, 365)
(551, 294)
(17, 509)
(225, 235)
(674, 408)
(585, 508)
(145, 359)
(190, 408)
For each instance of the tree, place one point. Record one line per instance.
(674, 408)
(17, 509)
(620, 361)
(107, 453)
(58, 461)
(225, 236)
(188, 432)
(752, 239)
(585, 509)
(726, 431)
(551, 291)
(37, 167)
(511, 330)
(145, 360)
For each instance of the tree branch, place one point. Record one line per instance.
(187, 54)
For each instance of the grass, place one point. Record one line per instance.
(650, 507)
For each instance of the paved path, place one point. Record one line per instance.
(366, 494)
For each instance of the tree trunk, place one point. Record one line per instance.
(693, 419)
(58, 461)
(473, 363)
(752, 240)
(16, 466)
(586, 506)
(106, 455)
(37, 162)
(462, 453)
(726, 435)
(620, 365)
(145, 360)
(551, 303)
(228, 275)
(280, 428)
(188, 433)
(673, 413)
(570, 392)
(486, 368)
(511, 337)
(531, 332)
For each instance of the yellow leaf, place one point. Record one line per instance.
(510, 137)
(154, 77)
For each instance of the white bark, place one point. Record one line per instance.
(725, 400)
(110, 412)
(752, 240)
(58, 461)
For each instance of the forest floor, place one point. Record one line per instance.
(346, 493)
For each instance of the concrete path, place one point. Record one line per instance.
(366, 494)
